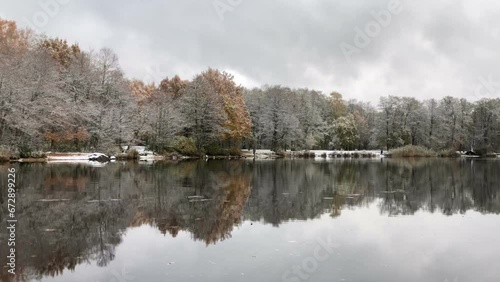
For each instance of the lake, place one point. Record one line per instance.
(242, 220)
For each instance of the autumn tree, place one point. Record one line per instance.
(337, 105)
(142, 91)
(281, 122)
(309, 114)
(346, 133)
(60, 50)
(174, 86)
(432, 116)
(163, 119)
(464, 124)
(387, 123)
(112, 102)
(254, 99)
(238, 124)
(12, 39)
(364, 119)
(486, 127)
(413, 121)
(201, 108)
(14, 44)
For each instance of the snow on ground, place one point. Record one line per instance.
(74, 158)
(321, 153)
(72, 161)
(144, 155)
(140, 149)
(68, 156)
(259, 154)
(150, 157)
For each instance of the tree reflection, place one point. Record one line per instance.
(74, 214)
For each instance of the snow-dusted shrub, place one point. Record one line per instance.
(6, 153)
(185, 146)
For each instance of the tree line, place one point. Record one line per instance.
(55, 96)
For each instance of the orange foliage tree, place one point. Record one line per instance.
(173, 86)
(141, 91)
(13, 39)
(63, 137)
(60, 50)
(238, 123)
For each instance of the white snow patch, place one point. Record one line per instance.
(68, 157)
(319, 154)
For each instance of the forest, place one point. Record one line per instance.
(56, 97)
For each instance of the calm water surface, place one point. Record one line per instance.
(351, 220)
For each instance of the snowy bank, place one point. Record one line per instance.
(333, 154)
(313, 154)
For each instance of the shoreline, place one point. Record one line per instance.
(75, 157)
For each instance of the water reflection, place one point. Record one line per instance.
(76, 214)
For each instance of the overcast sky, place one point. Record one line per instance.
(428, 49)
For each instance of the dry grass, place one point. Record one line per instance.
(412, 152)
(450, 153)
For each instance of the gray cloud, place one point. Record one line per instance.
(430, 49)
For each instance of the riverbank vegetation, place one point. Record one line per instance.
(56, 97)
(411, 151)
